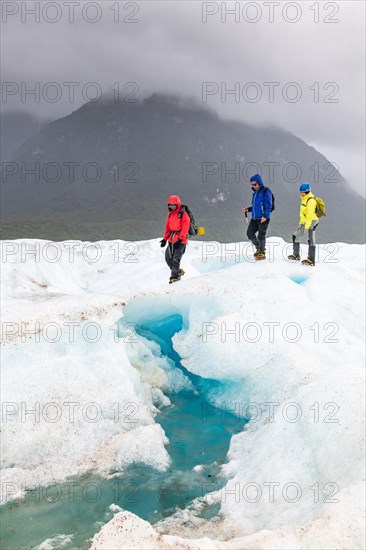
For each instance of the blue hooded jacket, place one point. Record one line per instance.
(261, 200)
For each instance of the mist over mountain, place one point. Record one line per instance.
(16, 127)
(106, 170)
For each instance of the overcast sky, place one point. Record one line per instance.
(170, 49)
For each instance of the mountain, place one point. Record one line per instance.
(140, 153)
(16, 128)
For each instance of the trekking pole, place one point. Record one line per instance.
(246, 216)
(246, 219)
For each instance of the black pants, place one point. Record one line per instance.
(255, 226)
(173, 256)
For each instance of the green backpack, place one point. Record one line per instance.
(320, 206)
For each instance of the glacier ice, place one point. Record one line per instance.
(297, 348)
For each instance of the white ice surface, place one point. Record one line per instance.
(59, 541)
(220, 290)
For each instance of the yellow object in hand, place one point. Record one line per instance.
(201, 231)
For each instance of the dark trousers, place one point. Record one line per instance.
(255, 226)
(173, 256)
(311, 239)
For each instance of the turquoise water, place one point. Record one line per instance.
(198, 433)
(299, 278)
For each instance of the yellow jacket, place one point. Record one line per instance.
(307, 210)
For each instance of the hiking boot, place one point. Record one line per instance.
(174, 279)
(294, 257)
(181, 272)
(308, 261)
(260, 256)
(256, 253)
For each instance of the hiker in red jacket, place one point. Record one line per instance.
(176, 232)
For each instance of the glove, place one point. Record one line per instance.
(162, 243)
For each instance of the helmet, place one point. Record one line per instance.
(305, 188)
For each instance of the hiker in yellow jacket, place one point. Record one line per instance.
(308, 222)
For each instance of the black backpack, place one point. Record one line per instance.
(193, 227)
(273, 199)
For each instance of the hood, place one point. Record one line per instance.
(258, 179)
(305, 199)
(174, 199)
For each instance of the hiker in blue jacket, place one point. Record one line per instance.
(261, 214)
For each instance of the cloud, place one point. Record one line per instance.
(171, 50)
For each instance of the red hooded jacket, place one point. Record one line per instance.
(176, 227)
